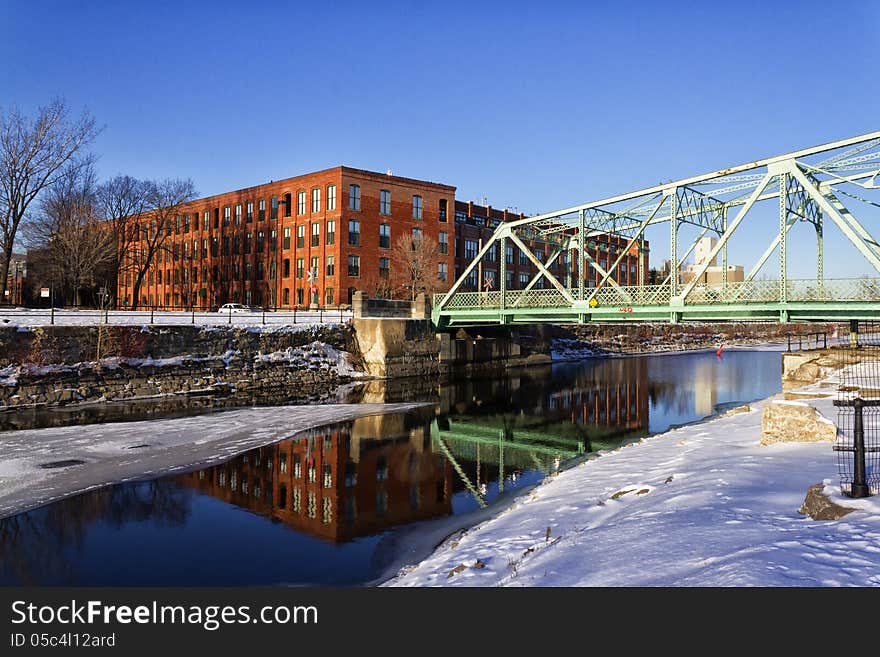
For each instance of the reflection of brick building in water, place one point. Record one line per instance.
(339, 483)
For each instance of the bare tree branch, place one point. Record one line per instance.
(414, 265)
(34, 154)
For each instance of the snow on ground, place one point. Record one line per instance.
(701, 505)
(123, 451)
(256, 320)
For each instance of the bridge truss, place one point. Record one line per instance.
(824, 186)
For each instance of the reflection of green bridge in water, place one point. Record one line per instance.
(498, 441)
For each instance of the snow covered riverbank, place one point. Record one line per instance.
(39, 466)
(701, 505)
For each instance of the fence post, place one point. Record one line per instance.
(152, 310)
(294, 314)
(264, 314)
(230, 316)
(321, 315)
(860, 484)
(193, 318)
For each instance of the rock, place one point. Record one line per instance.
(819, 507)
(460, 567)
(739, 409)
(786, 421)
(479, 564)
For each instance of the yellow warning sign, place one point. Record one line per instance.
(593, 302)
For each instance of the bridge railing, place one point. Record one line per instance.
(760, 291)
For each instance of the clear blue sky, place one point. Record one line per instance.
(538, 105)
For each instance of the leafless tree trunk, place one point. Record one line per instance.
(164, 201)
(68, 233)
(33, 155)
(122, 199)
(414, 265)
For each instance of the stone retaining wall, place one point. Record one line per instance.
(206, 362)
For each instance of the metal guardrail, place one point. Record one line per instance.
(93, 317)
(764, 291)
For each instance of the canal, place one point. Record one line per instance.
(332, 506)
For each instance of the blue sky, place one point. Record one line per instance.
(533, 105)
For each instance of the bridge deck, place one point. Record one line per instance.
(800, 300)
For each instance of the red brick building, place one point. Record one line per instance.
(316, 238)
(259, 245)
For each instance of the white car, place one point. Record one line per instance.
(227, 308)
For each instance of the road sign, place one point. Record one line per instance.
(44, 292)
(593, 302)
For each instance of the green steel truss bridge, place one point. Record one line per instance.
(824, 186)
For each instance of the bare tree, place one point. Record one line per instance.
(377, 285)
(164, 200)
(73, 245)
(414, 265)
(33, 154)
(122, 199)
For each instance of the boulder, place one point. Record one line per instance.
(819, 507)
(791, 421)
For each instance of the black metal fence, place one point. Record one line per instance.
(858, 411)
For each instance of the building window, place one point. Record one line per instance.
(300, 267)
(384, 267)
(314, 270)
(471, 280)
(206, 219)
(273, 215)
(354, 232)
(300, 296)
(443, 242)
(331, 265)
(328, 296)
(238, 214)
(249, 217)
(286, 240)
(523, 278)
(301, 202)
(470, 249)
(354, 197)
(443, 209)
(316, 199)
(354, 265)
(261, 209)
(331, 197)
(523, 258)
(417, 207)
(508, 254)
(286, 295)
(384, 236)
(300, 236)
(226, 215)
(384, 202)
(460, 216)
(416, 237)
(316, 234)
(331, 232)
(285, 268)
(273, 240)
(248, 238)
(491, 254)
(261, 241)
(287, 201)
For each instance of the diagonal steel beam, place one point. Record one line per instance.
(830, 211)
(497, 235)
(623, 252)
(731, 229)
(537, 276)
(550, 277)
